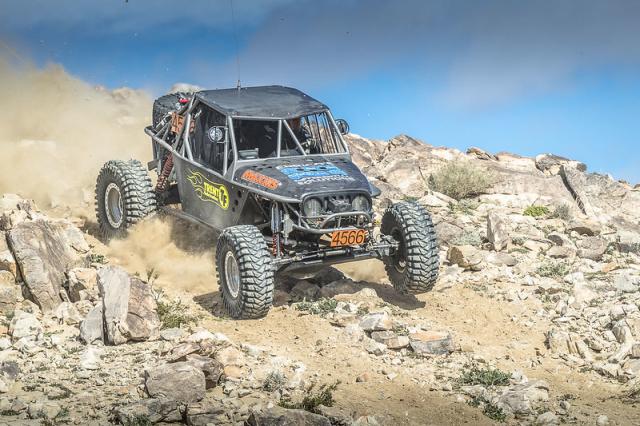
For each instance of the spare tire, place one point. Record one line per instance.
(163, 105)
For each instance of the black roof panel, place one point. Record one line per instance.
(261, 102)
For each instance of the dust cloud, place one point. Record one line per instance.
(57, 131)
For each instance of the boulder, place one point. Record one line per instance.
(497, 231)
(278, 416)
(345, 286)
(592, 248)
(467, 257)
(625, 284)
(377, 321)
(82, 284)
(584, 227)
(44, 251)
(10, 292)
(524, 399)
(24, 324)
(390, 339)
(92, 327)
(561, 252)
(431, 342)
(155, 410)
(551, 164)
(501, 259)
(129, 308)
(211, 368)
(304, 290)
(180, 381)
(66, 313)
(7, 261)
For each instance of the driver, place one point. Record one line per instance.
(303, 135)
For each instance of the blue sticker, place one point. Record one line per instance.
(321, 172)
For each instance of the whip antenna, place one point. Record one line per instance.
(235, 40)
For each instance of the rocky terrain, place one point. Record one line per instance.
(534, 319)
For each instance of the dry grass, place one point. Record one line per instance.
(461, 179)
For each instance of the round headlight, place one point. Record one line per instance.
(312, 207)
(361, 203)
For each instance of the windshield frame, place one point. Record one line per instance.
(283, 125)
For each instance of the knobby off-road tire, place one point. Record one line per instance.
(413, 268)
(163, 105)
(245, 272)
(124, 196)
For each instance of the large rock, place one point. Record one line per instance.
(155, 410)
(7, 261)
(211, 368)
(129, 308)
(82, 284)
(467, 257)
(497, 231)
(551, 164)
(278, 416)
(44, 250)
(92, 327)
(431, 342)
(10, 292)
(525, 398)
(24, 324)
(592, 248)
(376, 321)
(180, 381)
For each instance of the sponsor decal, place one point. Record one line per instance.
(260, 179)
(209, 191)
(304, 174)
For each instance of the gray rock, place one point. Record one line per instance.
(547, 418)
(501, 259)
(390, 339)
(431, 342)
(561, 252)
(550, 164)
(345, 286)
(129, 308)
(497, 231)
(447, 232)
(45, 250)
(90, 358)
(180, 381)
(467, 257)
(625, 284)
(602, 420)
(156, 410)
(10, 292)
(377, 321)
(206, 414)
(82, 284)
(92, 328)
(9, 370)
(305, 290)
(172, 334)
(278, 416)
(67, 313)
(523, 399)
(373, 347)
(211, 368)
(7, 261)
(592, 247)
(584, 227)
(24, 324)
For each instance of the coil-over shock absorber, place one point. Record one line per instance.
(276, 228)
(163, 177)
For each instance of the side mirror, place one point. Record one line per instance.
(343, 126)
(217, 134)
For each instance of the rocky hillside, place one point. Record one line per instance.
(534, 319)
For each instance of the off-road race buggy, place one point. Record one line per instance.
(268, 169)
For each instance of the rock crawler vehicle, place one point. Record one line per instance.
(268, 169)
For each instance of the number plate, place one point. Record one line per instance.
(350, 237)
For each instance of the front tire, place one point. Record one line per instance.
(245, 272)
(413, 267)
(124, 196)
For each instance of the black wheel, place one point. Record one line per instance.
(245, 272)
(413, 267)
(124, 196)
(163, 105)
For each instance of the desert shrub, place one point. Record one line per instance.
(319, 307)
(553, 269)
(484, 376)
(463, 207)
(461, 179)
(322, 396)
(489, 409)
(536, 211)
(274, 381)
(562, 211)
(172, 313)
(471, 238)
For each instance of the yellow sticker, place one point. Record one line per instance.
(209, 191)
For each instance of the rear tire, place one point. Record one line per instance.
(413, 268)
(124, 196)
(163, 105)
(245, 272)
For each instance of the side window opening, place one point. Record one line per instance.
(205, 146)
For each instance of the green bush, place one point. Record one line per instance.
(274, 381)
(323, 396)
(485, 377)
(536, 211)
(553, 270)
(320, 307)
(461, 179)
(172, 313)
(488, 409)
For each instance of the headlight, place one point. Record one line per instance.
(312, 207)
(361, 203)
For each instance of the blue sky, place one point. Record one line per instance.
(525, 77)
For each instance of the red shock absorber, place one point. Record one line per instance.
(163, 178)
(275, 244)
